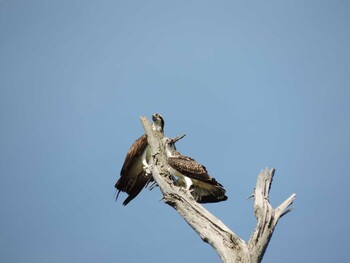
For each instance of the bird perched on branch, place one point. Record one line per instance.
(193, 176)
(135, 173)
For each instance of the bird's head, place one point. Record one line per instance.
(170, 148)
(158, 122)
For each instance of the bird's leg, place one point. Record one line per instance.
(146, 166)
(188, 183)
(191, 189)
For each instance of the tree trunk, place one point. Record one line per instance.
(230, 247)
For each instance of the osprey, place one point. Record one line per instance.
(193, 176)
(135, 174)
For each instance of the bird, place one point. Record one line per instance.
(193, 176)
(135, 173)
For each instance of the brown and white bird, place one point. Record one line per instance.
(135, 174)
(193, 176)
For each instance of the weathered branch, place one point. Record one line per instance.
(227, 244)
(266, 216)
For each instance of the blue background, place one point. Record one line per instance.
(251, 83)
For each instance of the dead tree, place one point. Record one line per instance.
(230, 247)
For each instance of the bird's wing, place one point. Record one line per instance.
(190, 168)
(132, 176)
(134, 152)
(205, 188)
(207, 193)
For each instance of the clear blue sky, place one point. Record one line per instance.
(251, 83)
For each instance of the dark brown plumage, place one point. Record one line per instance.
(204, 188)
(204, 192)
(132, 176)
(190, 168)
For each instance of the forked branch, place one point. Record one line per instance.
(230, 247)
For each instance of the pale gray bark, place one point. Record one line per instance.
(228, 245)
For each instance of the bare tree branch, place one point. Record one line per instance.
(230, 247)
(266, 216)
